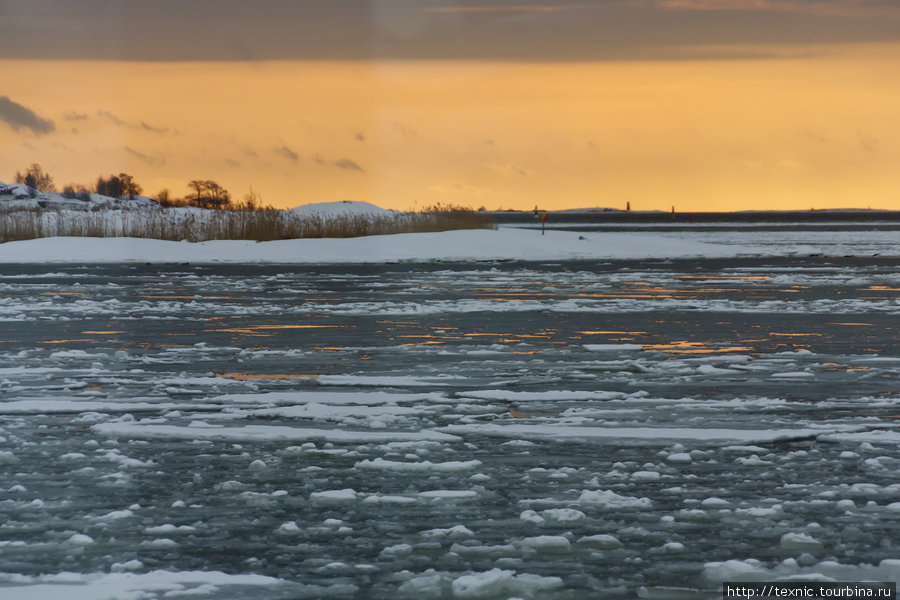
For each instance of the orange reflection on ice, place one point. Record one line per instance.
(685, 347)
(736, 277)
(260, 330)
(252, 376)
(110, 332)
(265, 327)
(612, 332)
(794, 334)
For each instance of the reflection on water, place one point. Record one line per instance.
(714, 277)
(254, 376)
(612, 332)
(687, 347)
(255, 330)
(99, 332)
(775, 334)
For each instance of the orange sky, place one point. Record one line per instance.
(800, 127)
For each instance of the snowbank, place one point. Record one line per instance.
(466, 245)
(347, 208)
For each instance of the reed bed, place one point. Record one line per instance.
(195, 225)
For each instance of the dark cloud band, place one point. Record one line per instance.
(20, 117)
(547, 30)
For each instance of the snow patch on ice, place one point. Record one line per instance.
(124, 586)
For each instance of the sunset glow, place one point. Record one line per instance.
(713, 128)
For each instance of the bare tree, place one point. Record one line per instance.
(252, 201)
(76, 192)
(118, 186)
(209, 194)
(35, 177)
(130, 187)
(110, 186)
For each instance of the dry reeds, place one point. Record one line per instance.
(196, 225)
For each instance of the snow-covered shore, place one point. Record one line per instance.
(452, 246)
(504, 244)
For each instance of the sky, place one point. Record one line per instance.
(691, 104)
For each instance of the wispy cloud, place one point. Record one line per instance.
(152, 129)
(19, 117)
(502, 8)
(153, 161)
(508, 170)
(106, 114)
(75, 116)
(341, 163)
(838, 8)
(868, 143)
(347, 165)
(459, 187)
(408, 133)
(288, 153)
(814, 136)
(113, 118)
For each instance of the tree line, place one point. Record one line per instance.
(204, 193)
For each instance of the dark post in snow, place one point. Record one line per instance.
(542, 215)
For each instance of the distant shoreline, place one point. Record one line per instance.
(614, 216)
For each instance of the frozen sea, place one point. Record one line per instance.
(558, 430)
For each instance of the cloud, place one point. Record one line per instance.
(74, 116)
(341, 163)
(787, 163)
(868, 143)
(152, 129)
(837, 8)
(359, 137)
(458, 187)
(153, 161)
(108, 115)
(814, 136)
(288, 153)
(408, 133)
(542, 30)
(347, 165)
(502, 8)
(508, 170)
(19, 117)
